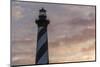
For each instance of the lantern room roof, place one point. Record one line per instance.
(42, 10)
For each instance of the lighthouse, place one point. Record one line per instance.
(42, 38)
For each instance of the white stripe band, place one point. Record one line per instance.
(42, 40)
(44, 58)
(40, 28)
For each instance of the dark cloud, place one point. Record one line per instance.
(85, 35)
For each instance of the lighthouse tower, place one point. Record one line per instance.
(42, 38)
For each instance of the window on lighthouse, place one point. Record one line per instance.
(42, 13)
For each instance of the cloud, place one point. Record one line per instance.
(17, 12)
(75, 52)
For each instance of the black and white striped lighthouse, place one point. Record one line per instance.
(42, 38)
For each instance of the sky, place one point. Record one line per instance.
(71, 32)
